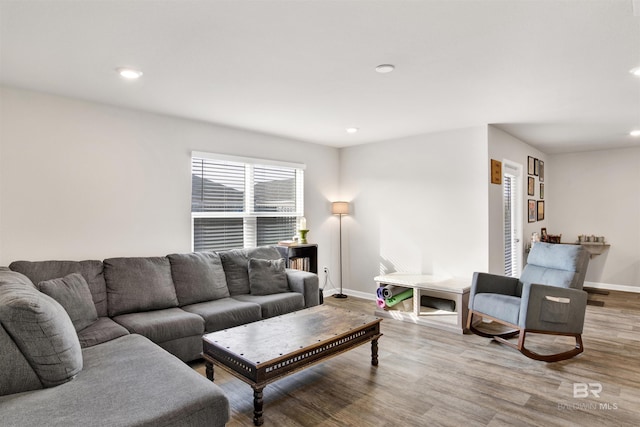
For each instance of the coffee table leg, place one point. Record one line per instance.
(257, 406)
(209, 370)
(374, 352)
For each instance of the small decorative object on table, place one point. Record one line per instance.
(554, 238)
(303, 230)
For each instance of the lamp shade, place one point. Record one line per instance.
(340, 208)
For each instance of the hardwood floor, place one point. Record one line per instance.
(428, 377)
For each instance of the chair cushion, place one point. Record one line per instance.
(198, 277)
(43, 332)
(162, 325)
(559, 257)
(139, 284)
(72, 292)
(503, 307)
(225, 313)
(267, 276)
(547, 276)
(275, 304)
(102, 330)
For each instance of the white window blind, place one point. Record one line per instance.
(242, 202)
(508, 226)
(512, 219)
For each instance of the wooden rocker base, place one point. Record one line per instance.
(522, 333)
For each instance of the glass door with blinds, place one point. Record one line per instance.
(512, 203)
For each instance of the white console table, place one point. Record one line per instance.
(446, 288)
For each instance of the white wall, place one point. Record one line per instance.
(598, 193)
(419, 204)
(80, 180)
(503, 146)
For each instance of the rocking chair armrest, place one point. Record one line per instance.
(492, 284)
(551, 308)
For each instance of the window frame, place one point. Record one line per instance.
(249, 215)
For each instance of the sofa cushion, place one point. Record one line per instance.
(236, 266)
(162, 325)
(16, 375)
(139, 284)
(275, 304)
(126, 382)
(91, 270)
(14, 278)
(102, 330)
(267, 276)
(235, 262)
(198, 277)
(225, 313)
(72, 292)
(43, 332)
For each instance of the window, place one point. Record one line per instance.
(240, 202)
(512, 219)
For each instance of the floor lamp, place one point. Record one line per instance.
(340, 208)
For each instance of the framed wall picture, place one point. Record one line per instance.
(531, 186)
(540, 210)
(531, 211)
(541, 170)
(541, 190)
(536, 167)
(530, 165)
(496, 172)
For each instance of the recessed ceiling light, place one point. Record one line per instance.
(635, 132)
(352, 130)
(129, 73)
(385, 68)
(635, 71)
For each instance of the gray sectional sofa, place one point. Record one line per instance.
(93, 342)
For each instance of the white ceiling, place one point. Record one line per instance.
(553, 73)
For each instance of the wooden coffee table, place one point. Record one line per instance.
(262, 352)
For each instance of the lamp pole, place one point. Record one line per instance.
(340, 208)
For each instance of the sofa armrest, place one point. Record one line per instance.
(492, 284)
(305, 283)
(552, 308)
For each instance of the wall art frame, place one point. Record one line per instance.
(531, 210)
(540, 213)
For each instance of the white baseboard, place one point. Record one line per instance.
(596, 285)
(357, 294)
(612, 287)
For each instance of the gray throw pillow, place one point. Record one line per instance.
(42, 331)
(267, 276)
(198, 277)
(236, 266)
(72, 293)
